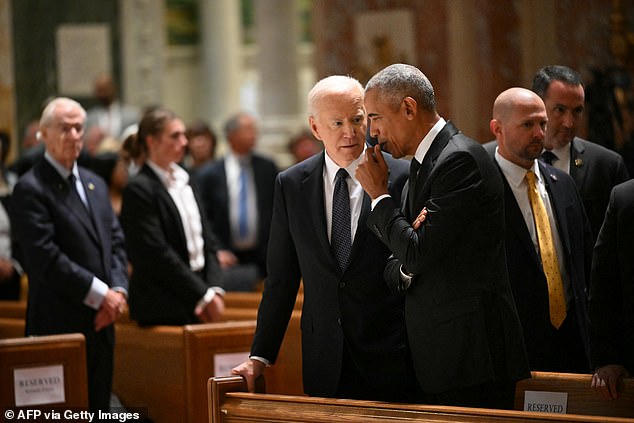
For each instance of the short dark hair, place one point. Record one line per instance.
(546, 75)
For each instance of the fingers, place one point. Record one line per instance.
(420, 219)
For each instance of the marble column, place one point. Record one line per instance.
(142, 51)
(279, 103)
(220, 59)
(7, 84)
(538, 37)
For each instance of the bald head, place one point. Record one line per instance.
(519, 124)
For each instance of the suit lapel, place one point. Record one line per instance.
(559, 203)
(75, 207)
(578, 170)
(313, 186)
(422, 187)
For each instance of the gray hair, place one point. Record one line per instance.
(331, 85)
(398, 81)
(48, 114)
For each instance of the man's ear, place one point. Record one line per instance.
(495, 127)
(313, 128)
(410, 107)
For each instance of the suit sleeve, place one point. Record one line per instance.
(606, 330)
(282, 282)
(456, 193)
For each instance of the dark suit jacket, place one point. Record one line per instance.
(353, 308)
(163, 289)
(212, 183)
(462, 325)
(596, 170)
(612, 289)
(63, 248)
(525, 271)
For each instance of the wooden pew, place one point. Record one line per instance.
(285, 377)
(229, 402)
(582, 399)
(11, 328)
(165, 368)
(22, 354)
(13, 309)
(239, 299)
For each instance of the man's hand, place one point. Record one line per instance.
(213, 311)
(250, 370)
(226, 259)
(417, 223)
(605, 380)
(113, 306)
(372, 172)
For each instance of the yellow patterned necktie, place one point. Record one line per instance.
(550, 264)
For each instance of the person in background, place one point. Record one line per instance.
(464, 333)
(353, 333)
(176, 279)
(304, 145)
(201, 147)
(594, 168)
(611, 304)
(547, 238)
(237, 191)
(10, 268)
(72, 247)
(109, 115)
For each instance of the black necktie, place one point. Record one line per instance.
(414, 167)
(549, 157)
(341, 238)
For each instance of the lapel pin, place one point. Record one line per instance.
(91, 186)
(578, 162)
(553, 177)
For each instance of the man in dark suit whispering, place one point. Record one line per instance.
(353, 333)
(464, 333)
(73, 247)
(548, 239)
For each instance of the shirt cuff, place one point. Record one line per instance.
(406, 279)
(209, 295)
(96, 293)
(260, 359)
(377, 199)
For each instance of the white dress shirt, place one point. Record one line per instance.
(516, 177)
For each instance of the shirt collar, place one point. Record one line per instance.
(515, 174)
(176, 174)
(63, 171)
(425, 144)
(332, 167)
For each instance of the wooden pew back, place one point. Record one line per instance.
(11, 327)
(229, 402)
(68, 350)
(13, 309)
(582, 399)
(165, 368)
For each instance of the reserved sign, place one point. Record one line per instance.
(546, 402)
(39, 385)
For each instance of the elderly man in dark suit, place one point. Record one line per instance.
(594, 168)
(464, 333)
(612, 294)
(73, 247)
(237, 193)
(353, 332)
(548, 254)
(176, 279)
